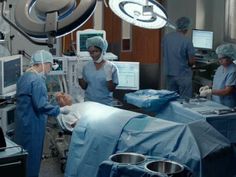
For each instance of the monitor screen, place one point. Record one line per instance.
(202, 39)
(128, 75)
(82, 36)
(59, 66)
(10, 70)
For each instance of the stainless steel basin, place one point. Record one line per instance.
(128, 158)
(164, 167)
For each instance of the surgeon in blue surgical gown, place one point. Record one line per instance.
(223, 89)
(32, 109)
(99, 76)
(179, 58)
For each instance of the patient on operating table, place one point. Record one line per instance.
(69, 117)
(63, 99)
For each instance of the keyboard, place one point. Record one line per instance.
(199, 56)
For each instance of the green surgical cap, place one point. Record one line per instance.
(41, 56)
(97, 41)
(183, 23)
(226, 50)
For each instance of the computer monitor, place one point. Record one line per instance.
(82, 36)
(202, 39)
(10, 71)
(128, 75)
(61, 63)
(7, 121)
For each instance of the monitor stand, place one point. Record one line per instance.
(9, 95)
(201, 53)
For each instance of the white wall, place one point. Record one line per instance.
(205, 14)
(210, 16)
(179, 8)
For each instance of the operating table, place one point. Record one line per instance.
(103, 131)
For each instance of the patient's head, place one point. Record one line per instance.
(63, 99)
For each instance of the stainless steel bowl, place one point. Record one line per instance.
(164, 167)
(128, 158)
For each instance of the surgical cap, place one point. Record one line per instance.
(41, 56)
(183, 23)
(97, 41)
(226, 50)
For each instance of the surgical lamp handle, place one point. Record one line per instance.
(18, 29)
(169, 23)
(105, 3)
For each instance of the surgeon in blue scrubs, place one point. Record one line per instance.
(32, 109)
(98, 77)
(223, 89)
(179, 58)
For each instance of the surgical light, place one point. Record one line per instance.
(143, 13)
(51, 18)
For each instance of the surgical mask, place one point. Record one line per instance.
(99, 60)
(55, 66)
(42, 74)
(42, 63)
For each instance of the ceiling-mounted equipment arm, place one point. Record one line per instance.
(71, 14)
(16, 28)
(169, 23)
(47, 20)
(143, 13)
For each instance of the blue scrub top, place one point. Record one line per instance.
(177, 49)
(97, 90)
(32, 108)
(222, 78)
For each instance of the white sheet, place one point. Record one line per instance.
(68, 121)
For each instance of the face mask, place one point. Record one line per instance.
(55, 66)
(42, 62)
(99, 60)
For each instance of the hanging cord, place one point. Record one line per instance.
(25, 54)
(105, 3)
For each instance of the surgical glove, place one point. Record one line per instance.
(80, 71)
(206, 92)
(65, 110)
(203, 88)
(108, 71)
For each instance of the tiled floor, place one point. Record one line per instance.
(52, 165)
(50, 168)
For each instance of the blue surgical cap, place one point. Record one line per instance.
(41, 56)
(226, 50)
(183, 23)
(97, 41)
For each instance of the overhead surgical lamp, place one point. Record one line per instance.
(51, 18)
(143, 13)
